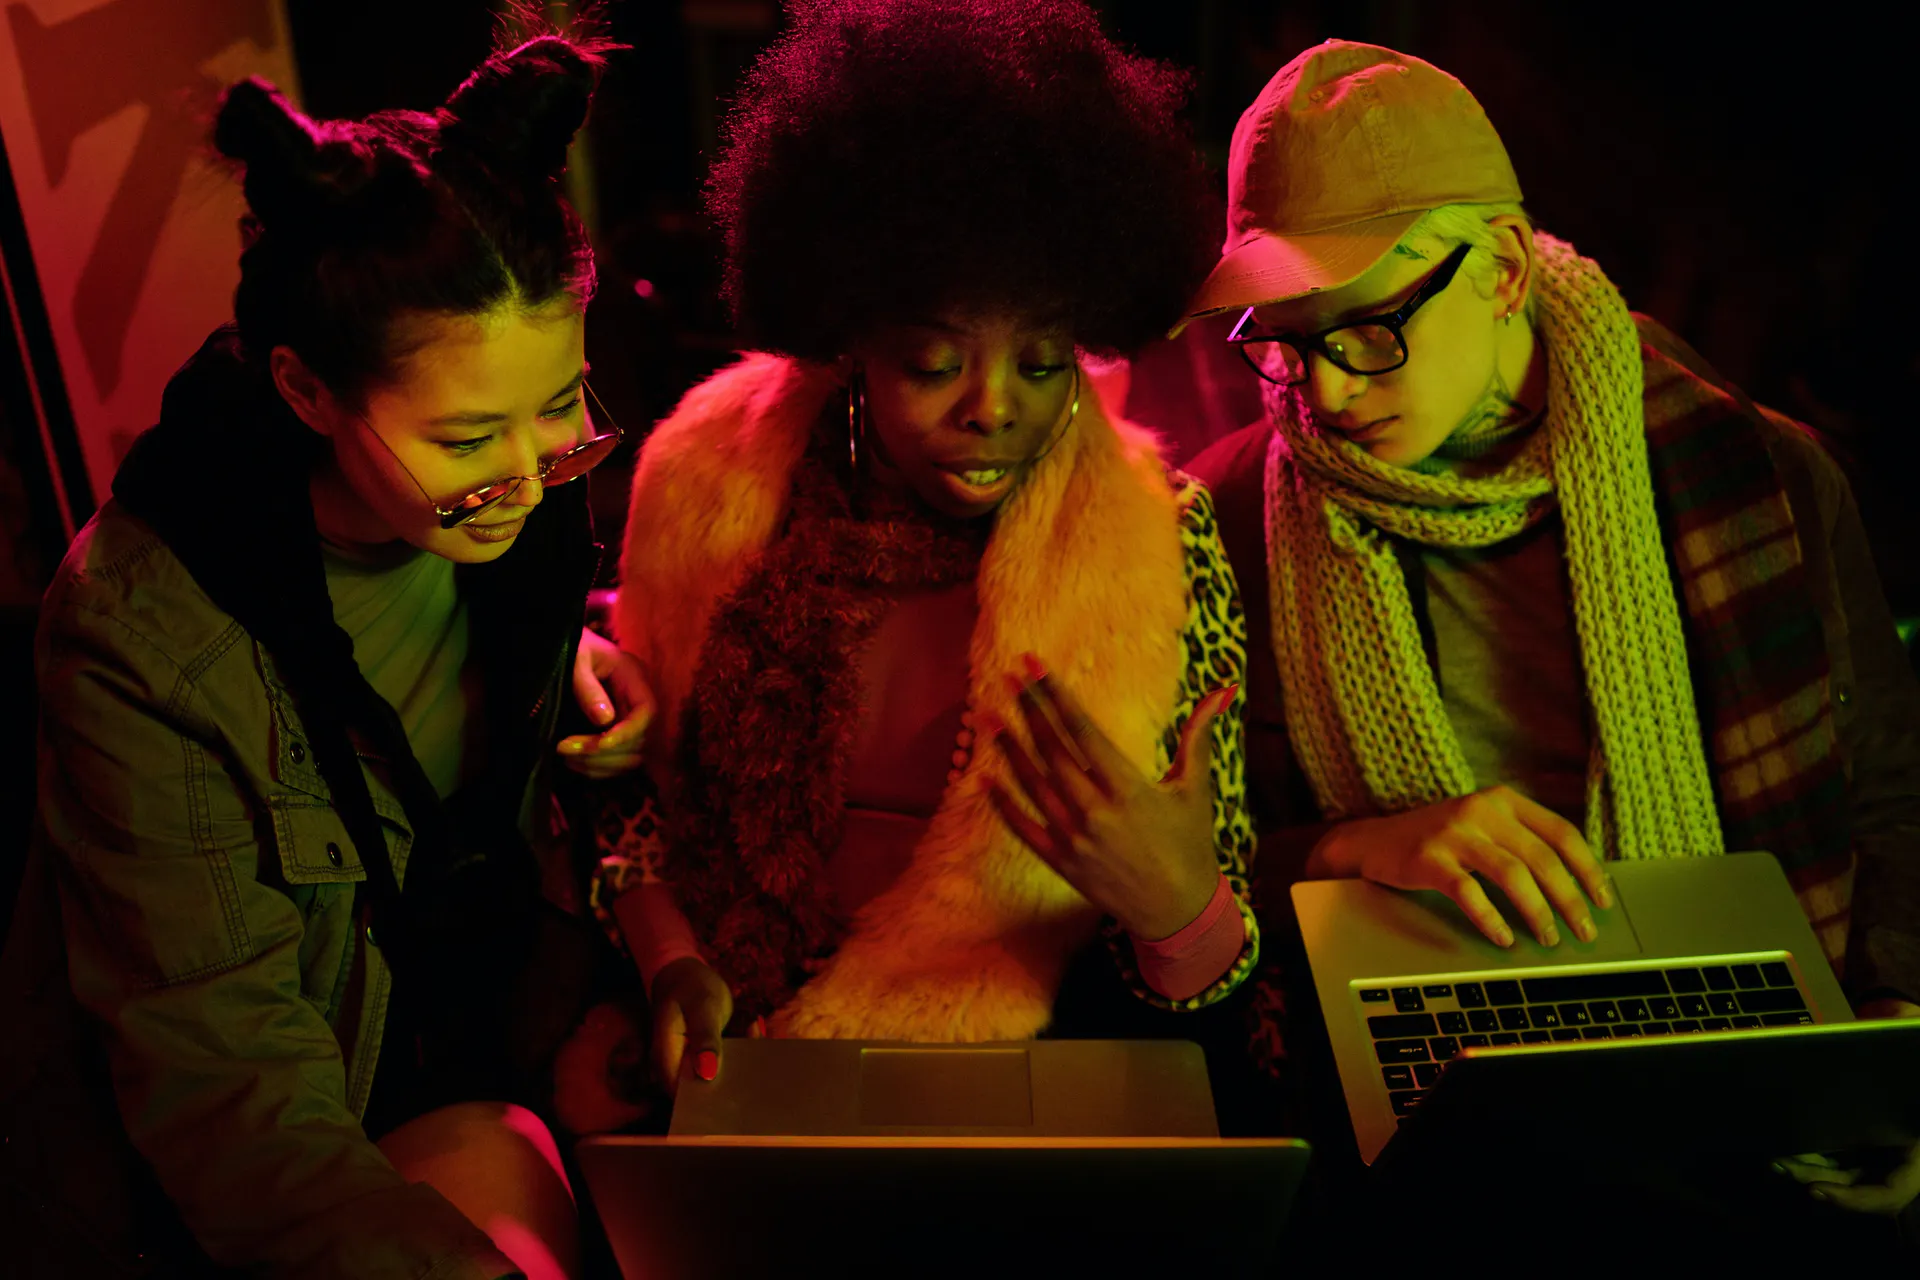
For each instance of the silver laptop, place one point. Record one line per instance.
(1695, 945)
(842, 1157)
(1029, 1089)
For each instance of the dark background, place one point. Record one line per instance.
(1742, 178)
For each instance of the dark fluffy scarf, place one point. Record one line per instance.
(768, 730)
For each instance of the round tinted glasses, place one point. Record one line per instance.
(1367, 346)
(569, 464)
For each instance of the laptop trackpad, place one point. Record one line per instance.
(958, 1087)
(1618, 938)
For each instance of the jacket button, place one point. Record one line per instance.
(333, 854)
(298, 752)
(1844, 696)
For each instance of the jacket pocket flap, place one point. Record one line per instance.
(314, 845)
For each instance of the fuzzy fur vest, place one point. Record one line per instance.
(1084, 567)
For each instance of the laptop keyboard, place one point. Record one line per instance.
(1420, 1023)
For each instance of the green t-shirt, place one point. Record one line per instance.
(409, 629)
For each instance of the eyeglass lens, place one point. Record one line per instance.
(570, 465)
(1361, 348)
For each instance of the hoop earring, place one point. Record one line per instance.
(856, 417)
(1072, 413)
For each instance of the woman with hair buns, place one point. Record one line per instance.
(302, 680)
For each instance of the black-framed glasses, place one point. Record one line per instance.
(569, 464)
(1367, 346)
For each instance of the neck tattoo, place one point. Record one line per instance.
(1496, 410)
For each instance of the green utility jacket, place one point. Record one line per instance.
(193, 1008)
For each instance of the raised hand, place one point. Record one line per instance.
(1139, 848)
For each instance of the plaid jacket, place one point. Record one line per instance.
(1876, 699)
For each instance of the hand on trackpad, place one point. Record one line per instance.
(1463, 846)
(1614, 934)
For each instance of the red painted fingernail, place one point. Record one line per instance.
(707, 1065)
(1036, 669)
(1228, 693)
(991, 725)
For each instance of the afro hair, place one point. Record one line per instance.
(888, 159)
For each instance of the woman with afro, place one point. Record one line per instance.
(946, 657)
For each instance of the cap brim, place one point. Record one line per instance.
(1274, 268)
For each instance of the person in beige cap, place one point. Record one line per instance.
(1529, 587)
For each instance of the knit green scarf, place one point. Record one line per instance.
(1363, 708)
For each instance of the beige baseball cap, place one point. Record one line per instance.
(1340, 154)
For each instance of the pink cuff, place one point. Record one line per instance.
(1186, 963)
(656, 930)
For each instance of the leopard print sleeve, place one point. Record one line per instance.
(1216, 643)
(627, 837)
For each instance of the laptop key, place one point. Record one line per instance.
(1693, 1006)
(1775, 972)
(1723, 1004)
(1514, 1018)
(1682, 980)
(1686, 1024)
(1746, 1022)
(1501, 1039)
(1800, 1019)
(1400, 1050)
(1403, 1102)
(1778, 1000)
(1626, 1030)
(1664, 1007)
(1437, 990)
(1719, 977)
(1505, 991)
(1470, 996)
(1453, 1024)
(1426, 1073)
(1655, 1028)
(1398, 1026)
(1544, 1015)
(1483, 1020)
(1575, 1015)
(1374, 995)
(1748, 976)
(1566, 1033)
(1535, 1037)
(1443, 1047)
(1715, 1024)
(1474, 1042)
(1597, 1033)
(1397, 1077)
(1603, 1012)
(1407, 1000)
(1634, 1011)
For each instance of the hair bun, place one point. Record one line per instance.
(297, 169)
(517, 114)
